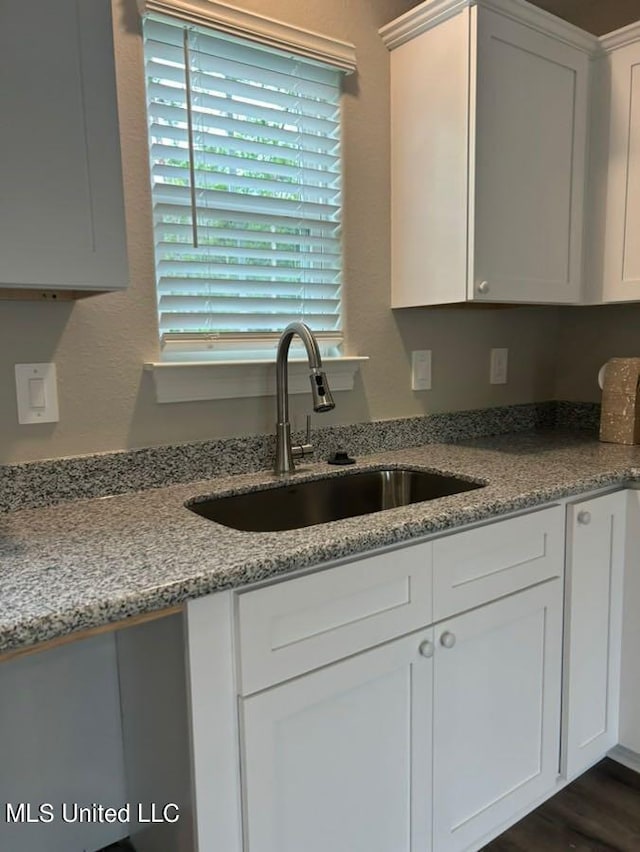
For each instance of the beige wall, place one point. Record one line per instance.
(99, 344)
(588, 338)
(595, 16)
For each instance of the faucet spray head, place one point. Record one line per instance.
(322, 398)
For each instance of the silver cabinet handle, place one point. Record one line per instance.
(448, 640)
(584, 517)
(483, 287)
(426, 648)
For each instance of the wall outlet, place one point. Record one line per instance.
(498, 366)
(37, 393)
(421, 369)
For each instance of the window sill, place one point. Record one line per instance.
(190, 381)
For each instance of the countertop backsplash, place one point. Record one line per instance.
(45, 483)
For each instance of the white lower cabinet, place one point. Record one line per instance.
(419, 743)
(339, 759)
(593, 626)
(630, 676)
(496, 730)
(420, 699)
(407, 701)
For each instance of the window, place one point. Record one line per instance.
(245, 165)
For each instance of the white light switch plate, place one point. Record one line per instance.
(37, 393)
(421, 369)
(499, 366)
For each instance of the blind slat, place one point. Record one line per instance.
(169, 233)
(204, 255)
(212, 130)
(228, 202)
(176, 286)
(169, 68)
(260, 272)
(249, 323)
(250, 184)
(247, 304)
(230, 254)
(177, 146)
(232, 162)
(255, 120)
(210, 166)
(166, 214)
(167, 83)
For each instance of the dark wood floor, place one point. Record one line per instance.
(123, 846)
(598, 812)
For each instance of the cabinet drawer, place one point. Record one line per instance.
(481, 565)
(293, 627)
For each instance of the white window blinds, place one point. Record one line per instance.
(246, 187)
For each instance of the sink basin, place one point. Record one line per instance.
(303, 504)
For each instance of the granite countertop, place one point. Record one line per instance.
(86, 563)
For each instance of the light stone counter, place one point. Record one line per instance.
(89, 562)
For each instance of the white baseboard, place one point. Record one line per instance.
(626, 757)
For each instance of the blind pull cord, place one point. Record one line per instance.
(192, 168)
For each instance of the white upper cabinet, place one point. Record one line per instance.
(526, 201)
(613, 258)
(61, 205)
(489, 110)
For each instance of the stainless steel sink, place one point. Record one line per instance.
(302, 504)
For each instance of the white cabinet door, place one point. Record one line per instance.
(496, 735)
(630, 676)
(615, 174)
(593, 623)
(61, 204)
(430, 165)
(530, 145)
(339, 759)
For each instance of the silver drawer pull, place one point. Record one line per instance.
(584, 517)
(448, 640)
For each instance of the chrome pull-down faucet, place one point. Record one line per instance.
(322, 398)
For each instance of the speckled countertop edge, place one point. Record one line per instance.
(90, 562)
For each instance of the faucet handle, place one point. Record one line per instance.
(305, 449)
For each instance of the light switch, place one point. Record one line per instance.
(37, 396)
(421, 369)
(499, 362)
(37, 393)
